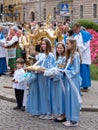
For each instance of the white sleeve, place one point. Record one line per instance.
(82, 47)
(12, 41)
(15, 75)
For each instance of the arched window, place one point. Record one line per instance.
(32, 16)
(95, 10)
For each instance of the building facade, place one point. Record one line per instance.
(60, 10)
(85, 9)
(1, 10)
(12, 10)
(39, 9)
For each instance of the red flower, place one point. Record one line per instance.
(94, 46)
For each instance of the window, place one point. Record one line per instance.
(32, 16)
(54, 13)
(44, 17)
(81, 11)
(95, 10)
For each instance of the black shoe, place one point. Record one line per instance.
(56, 120)
(23, 108)
(84, 89)
(16, 108)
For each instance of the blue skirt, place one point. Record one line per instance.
(85, 74)
(72, 105)
(58, 98)
(43, 94)
(33, 96)
(3, 65)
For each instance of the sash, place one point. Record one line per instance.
(56, 71)
(72, 83)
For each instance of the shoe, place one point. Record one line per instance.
(48, 117)
(41, 116)
(23, 108)
(70, 123)
(54, 116)
(84, 90)
(16, 108)
(56, 120)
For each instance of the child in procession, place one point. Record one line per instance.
(45, 89)
(58, 99)
(38, 97)
(18, 87)
(72, 84)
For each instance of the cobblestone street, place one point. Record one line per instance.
(18, 120)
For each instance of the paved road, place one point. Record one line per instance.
(18, 120)
(89, 98)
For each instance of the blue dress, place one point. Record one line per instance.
(58, 99)
(33, 95)
(73, 104)
(45, 100)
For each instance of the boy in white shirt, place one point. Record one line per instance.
(17, 85)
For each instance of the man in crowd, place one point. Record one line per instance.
(3, 64)
(83, 43)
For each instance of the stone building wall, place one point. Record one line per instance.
(34, 9)
(49, 5)
(87, 9)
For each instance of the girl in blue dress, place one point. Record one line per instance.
(44, 82)
(58, 99)
(72, 84)
(33, 101)
(33, 95)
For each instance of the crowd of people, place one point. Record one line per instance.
(54, 89)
